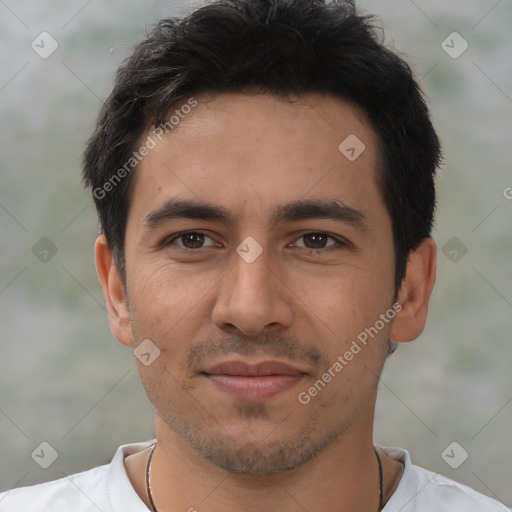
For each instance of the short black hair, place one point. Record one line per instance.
(281, 47)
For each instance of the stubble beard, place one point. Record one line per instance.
(258, 457)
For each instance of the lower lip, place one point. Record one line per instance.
(254, 388)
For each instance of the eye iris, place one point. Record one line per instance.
(194, 244)
(319, 240)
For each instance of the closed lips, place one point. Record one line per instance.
(243, 369)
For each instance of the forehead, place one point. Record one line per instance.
(251, 152)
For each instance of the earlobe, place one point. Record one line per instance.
(114, 290)
(415, 292)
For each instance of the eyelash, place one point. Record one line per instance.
(338, 241)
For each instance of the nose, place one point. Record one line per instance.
(253, 297)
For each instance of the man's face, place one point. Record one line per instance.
(317, 284)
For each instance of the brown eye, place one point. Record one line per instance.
(317, 240)
(189, 240)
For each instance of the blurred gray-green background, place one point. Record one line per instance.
(65, 380)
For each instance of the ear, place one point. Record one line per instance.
(115, 294)
(414, 294)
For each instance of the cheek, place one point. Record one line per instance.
(348, 307)
(349, 296)
(166, 302)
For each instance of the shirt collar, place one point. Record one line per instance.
(407, 489)
(120, 491)
(123, 497)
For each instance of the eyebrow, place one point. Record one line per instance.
(301, 209)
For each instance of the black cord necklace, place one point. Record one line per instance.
(148, 485)
(381, 480)
(152, 503)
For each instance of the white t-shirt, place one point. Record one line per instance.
(108, 489)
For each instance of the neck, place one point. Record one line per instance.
(343, 477)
